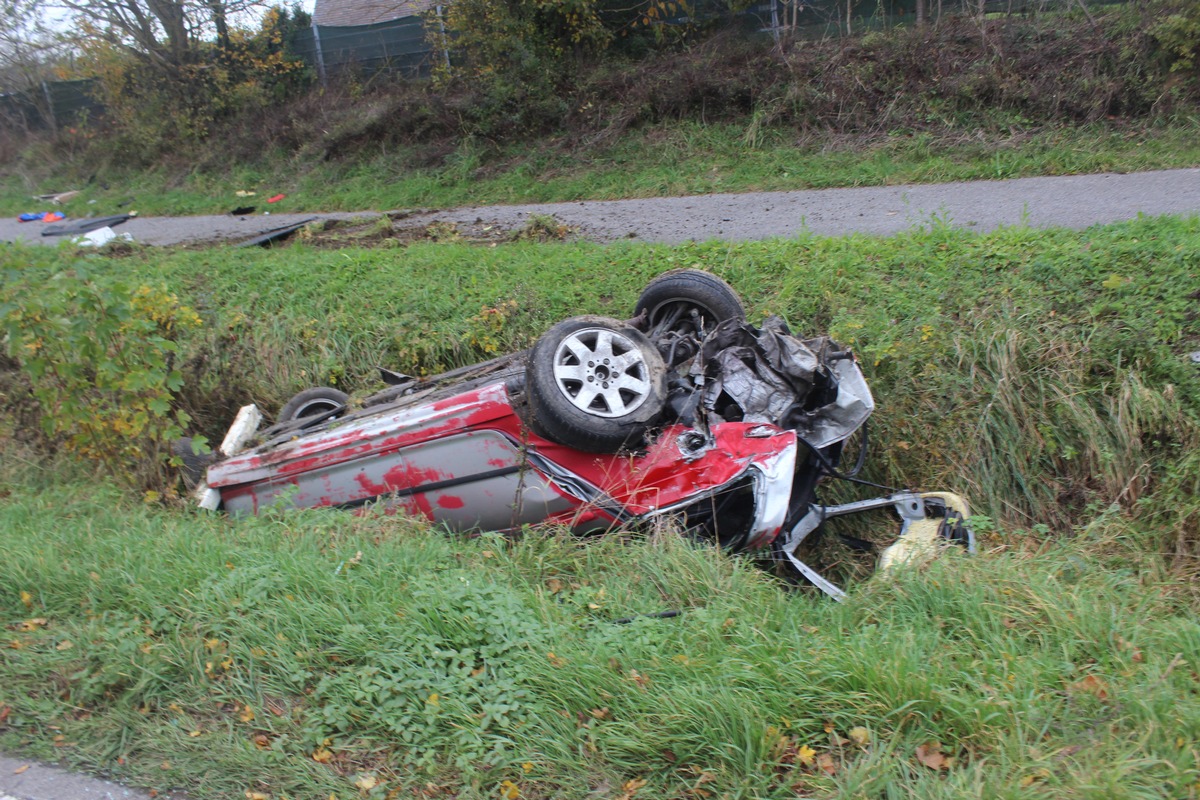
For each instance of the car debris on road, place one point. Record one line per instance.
(683, 411)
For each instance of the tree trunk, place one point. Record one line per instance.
(217, 8)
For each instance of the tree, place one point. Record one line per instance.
(168, 34)
(27, 47)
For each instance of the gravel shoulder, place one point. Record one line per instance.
(1076, 201)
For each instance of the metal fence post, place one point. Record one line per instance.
(442, 24)
(52, 117)
(321, 76)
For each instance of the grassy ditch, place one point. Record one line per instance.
(1042, 373)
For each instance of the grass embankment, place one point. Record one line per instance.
(1044, 373)
(677, 159)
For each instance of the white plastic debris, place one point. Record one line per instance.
(101, 237)
(244, 426)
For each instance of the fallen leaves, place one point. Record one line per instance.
(630, 788)
(860, 736)
(641, 680)
(26, 599)
(509, 790)
(30, 624)
(366, 783)
(930, 755)
(1090, 684)
(826, 764)
(20, 769)
(1035, 776)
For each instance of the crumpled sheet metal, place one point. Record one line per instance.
(769, 373)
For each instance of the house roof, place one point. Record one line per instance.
(337, 13)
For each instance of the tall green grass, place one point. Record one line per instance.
(182, 650)
(1043, 373)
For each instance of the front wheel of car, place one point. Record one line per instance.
(595, 384)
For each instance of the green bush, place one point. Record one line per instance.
(98, 356)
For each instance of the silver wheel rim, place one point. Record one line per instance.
(601, 372)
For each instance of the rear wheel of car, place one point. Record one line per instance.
(192, 465)
(313, 402)
(595, 384)
(688, 301)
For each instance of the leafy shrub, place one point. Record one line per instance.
(98, 355)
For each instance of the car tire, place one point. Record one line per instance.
(687, 301)
(595, 384)
(192, 466)
(311, 403)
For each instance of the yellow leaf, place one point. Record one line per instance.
(806, 755)
(65, 644)
(322, 755)
(27, 599)
(632, 786)
(257, 796)
(196, 733)
(1114, 281)
(247, 714)
(433, 700)
(860, 736)
(1033, 777)
(527, 767)
(20, 769)
(366, 782)
(509, 790)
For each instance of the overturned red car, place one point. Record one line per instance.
(684, 410)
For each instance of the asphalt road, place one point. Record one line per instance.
(25, 780)
(1076, 201)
